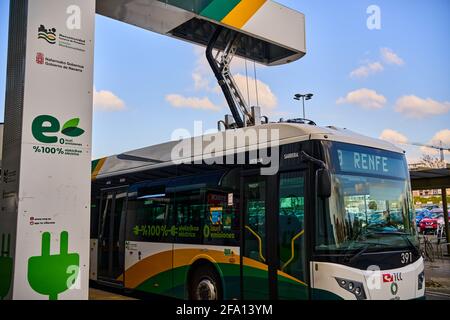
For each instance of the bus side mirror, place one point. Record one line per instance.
(324, 183)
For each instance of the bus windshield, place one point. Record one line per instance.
(371, 202)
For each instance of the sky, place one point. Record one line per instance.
(392, 83)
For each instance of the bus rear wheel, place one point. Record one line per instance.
(205, 284)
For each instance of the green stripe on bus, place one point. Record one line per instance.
(172, 283)
(195, 6)
(218, 9)
(94, 165)
(159, 284)
(289, 289)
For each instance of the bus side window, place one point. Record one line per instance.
(255, 219)
(222, 222)
(189, 212)
(291, 224)
(149, 219)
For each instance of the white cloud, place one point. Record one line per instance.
(205, 82)
(204, 78)
(390, 57)
(370, 68)
(413, 154)
(179, 101)
(200, 81)
(415, 107)
(441, 137)
(367, 70)
(107, 101)
(368, 99)
(266, 98)
(203, 75)
(393, 136)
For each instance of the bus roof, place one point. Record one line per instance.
(161, 155)
(271, 34)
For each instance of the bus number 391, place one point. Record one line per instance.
(406, 257)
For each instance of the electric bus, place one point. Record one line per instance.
(335, 220)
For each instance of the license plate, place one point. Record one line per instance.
(429, 227)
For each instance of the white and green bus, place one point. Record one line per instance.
(335, 221)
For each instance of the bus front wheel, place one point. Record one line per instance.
(205, 284)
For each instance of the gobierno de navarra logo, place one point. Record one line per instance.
(45, 129)
(48, 35)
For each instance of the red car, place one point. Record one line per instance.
(431, 223)
(428, 225)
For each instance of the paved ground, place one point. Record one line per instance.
(96, 294)
(437, 296)
(437, 274)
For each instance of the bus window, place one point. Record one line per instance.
(255, 224)
(190, 209)
(291, 236)
(149, 219)
(255, 268)
(221, 225)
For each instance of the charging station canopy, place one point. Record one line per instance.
(270, 33)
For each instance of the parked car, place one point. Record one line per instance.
(430, 206)
(431, 222)
(420, 214)
(428, 224)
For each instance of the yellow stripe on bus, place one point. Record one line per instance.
(242, 13)
(147, 268)
(97, 169)
(287, 276)
(162, 261)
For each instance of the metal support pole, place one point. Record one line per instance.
(304, 114)
(446, 224)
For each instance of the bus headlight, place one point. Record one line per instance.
(354, 287)
(421, 279)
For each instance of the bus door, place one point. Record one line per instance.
(111, 235)
(254, 258)
(292, 271)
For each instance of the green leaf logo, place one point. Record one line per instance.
(71, 129)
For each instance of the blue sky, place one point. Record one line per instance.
(406, 90)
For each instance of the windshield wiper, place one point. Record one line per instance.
(352, 257)
(404, 236)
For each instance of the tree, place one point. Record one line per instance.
(432, 162)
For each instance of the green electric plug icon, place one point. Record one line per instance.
(50, 274)
(6, 267)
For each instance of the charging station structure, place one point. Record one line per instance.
(46, 165)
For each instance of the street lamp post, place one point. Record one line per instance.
(303, 97)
